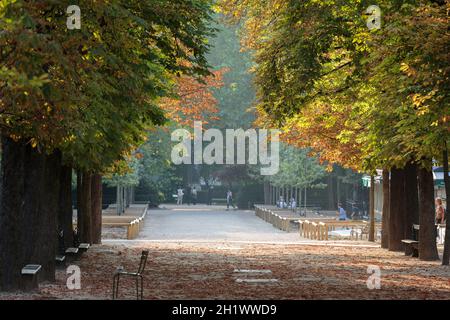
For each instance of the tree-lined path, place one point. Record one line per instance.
(90, 117)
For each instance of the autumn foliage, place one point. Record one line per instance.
(194, 99)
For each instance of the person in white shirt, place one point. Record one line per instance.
(230, 200)
(293, 204)
(180, 195)
(194, 196)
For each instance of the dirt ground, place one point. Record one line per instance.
(207, 271)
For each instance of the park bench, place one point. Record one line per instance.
(412, 245)
(279, 218)
(137, 275)
(133, 224)
(83, 247)
(60, 258)
(30, 277)
(323, 229)
(133, 227)
(305, 225)
(71, 253)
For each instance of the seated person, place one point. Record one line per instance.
(342, 215)
(280, 203)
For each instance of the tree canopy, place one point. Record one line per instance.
(358, 97)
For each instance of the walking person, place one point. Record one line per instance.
(440, 211)
(440, 220)
(210, 195)
(230, 200)
(180, 194)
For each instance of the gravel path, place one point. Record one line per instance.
(203, 223)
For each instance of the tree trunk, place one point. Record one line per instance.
(84, 208)
(119, 200)
(338, 190)
(133, 194)
(372, 209)
(125, 196)
(271, 195)
(79, 202)
(427, 234)
(304, 199)
(28, 215)
(96, 197)
(385, 217)
(12, 238)
(276, 195)
(47, 222)
(446, 257)
(331, 200)
(300, 199)
(397, 210)
(266, 193)
(412, 198)
(65, 213)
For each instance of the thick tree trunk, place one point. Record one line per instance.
(84, 208)
(427, 234)
(65, 214)
(96, 197)
(412, 198)
(47, 222)
(28, 216)
(397, 210)
(385, 218)
(446, 257)
(12, 238)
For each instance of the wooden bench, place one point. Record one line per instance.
(412, 245)
(30, 277)
(279, 218)
(320, 229)
(133, 224)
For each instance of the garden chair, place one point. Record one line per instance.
(138, 275)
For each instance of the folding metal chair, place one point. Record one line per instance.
(138, 275)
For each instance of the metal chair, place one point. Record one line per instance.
(138, 275)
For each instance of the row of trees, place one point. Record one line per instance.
(221, 101)
(81, 100)
(298, 172)
(361, 97)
